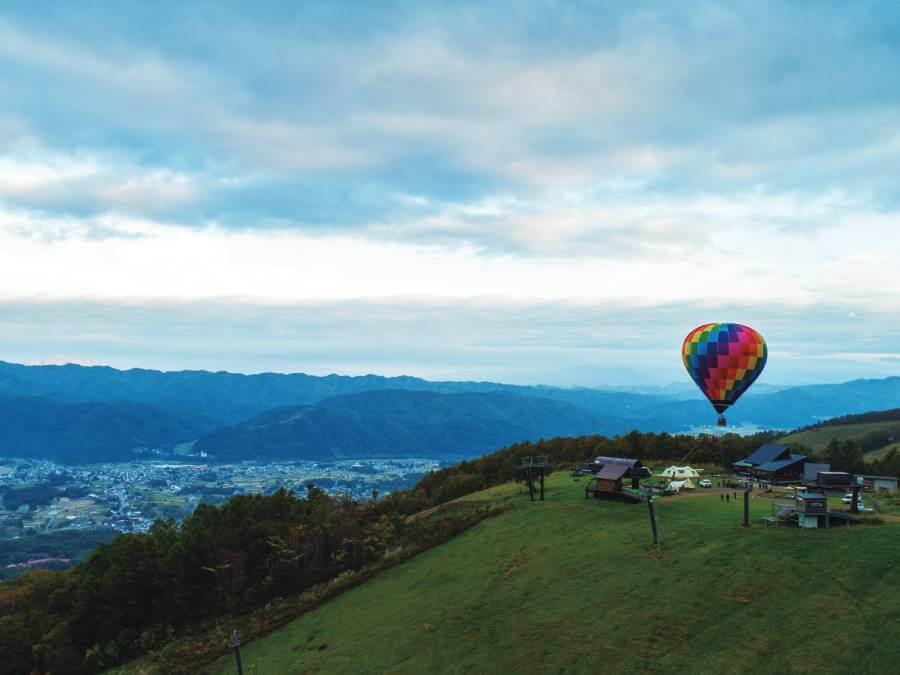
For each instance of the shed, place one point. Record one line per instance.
(815, 505)
(813, 502)
(879, 483)
(811, 471)
(833, 480)
(634, 469)
(609, 478)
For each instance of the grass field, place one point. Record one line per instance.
(572, 585)
(817, 439)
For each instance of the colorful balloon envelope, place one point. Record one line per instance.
(724, 359)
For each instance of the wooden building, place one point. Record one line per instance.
(814, 508)
(833, 480)
(774, 463)
(609, 478)
(609, 474)
(879, 483)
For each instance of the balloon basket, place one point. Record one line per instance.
(721, 421)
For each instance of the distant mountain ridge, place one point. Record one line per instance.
(96, 431)
(397, 423)
(78, 412)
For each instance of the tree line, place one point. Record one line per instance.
(140, 591)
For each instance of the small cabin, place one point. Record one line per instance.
(632, 468)
(813, 502)
(833, 480)
(609, 478)
(814, 506)
(609, 474)
(886, 484)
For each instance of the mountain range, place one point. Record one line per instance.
(86, 413)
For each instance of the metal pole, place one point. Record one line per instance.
(530, 484)
(542, 483)
(652, 507)
(237, 657)
(235, 644)
(746, 508)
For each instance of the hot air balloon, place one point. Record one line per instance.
(724, 359)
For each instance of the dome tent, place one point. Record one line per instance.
(680, 473)
(679, 485)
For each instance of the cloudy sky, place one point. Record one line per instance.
(531, 192)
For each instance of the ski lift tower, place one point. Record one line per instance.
(534, 467)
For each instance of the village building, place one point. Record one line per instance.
(814, 508)
(879, 483)
(774, 463)
(609, 473)
(833, 481)
(811, 472)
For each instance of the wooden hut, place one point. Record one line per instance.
(813, 507)
(609, 478)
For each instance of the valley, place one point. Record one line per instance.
(43, 503)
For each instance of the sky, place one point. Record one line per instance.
(530, 192)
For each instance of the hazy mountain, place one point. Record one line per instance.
(800, 406)
(395, 423)
(67, 411)
(225, 397)
(97, 431)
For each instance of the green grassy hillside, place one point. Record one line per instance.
(571, 585)
(817, 439)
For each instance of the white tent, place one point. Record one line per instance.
(680, 472)
(679, 485)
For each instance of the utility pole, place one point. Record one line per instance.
(652, 507)
(747, 507)
(235, 644)
(542, 482)
(530, 483)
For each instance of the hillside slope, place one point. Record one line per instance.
(818, 438)
(37, 427)
(571, 585)
(395, 423)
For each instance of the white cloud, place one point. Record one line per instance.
(645, 156)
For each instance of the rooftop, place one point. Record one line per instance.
(769, 452)
(612, 471)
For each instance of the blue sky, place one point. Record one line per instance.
(533, 192)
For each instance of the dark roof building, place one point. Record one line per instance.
(879, 483)
(633, 467)
(811, 471)
(612, 471)
(609, 471)
(769, 452)
(773, 462)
